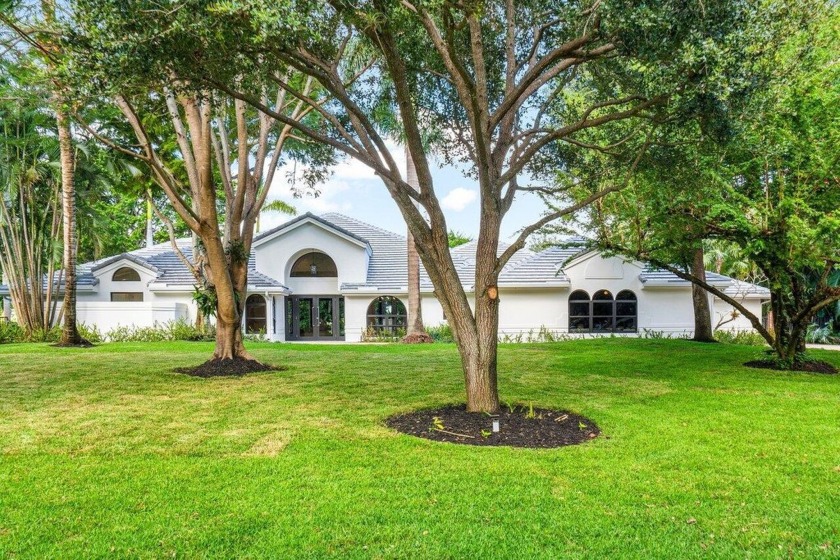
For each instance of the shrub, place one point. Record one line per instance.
(661, 335)
(11, 332)
(91, 333)
(749, 338)
(822, 335)
(441, 333)
(373, 335)
(179, 329)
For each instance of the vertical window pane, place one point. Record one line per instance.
(304, 310)
(325, 317)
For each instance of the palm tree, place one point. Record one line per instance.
(415, 331)
(276, 206)
(29, 215)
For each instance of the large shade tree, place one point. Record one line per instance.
(213, 156)
(496, 76)
(487, 74)
(769, 187)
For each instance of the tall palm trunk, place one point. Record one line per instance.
(416, 331)
(69, 333)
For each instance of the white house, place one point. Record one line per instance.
(332, 277)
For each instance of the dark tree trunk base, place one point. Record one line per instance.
(548, 428)
(815, 366)
(705, 340)
(80, 344)
(236, 367)
(417, 338)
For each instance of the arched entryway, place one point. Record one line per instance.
(316, 311)
(256, 315)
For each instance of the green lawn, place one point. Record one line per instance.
(106, 453)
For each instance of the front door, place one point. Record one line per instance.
(315, 318)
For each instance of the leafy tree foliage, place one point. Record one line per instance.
(457, 238)
(30, 218)
(503, 81)
(212, 156)
(758, 172)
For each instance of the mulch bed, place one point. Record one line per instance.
(453, 424)
(816, 366)
(418, 338)
(236, 367)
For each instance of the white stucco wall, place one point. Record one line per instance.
(110, 315)
(722, 310)
(275, 257)
(96, 308)
(102, 291)
(524, 311)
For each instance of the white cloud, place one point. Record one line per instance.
(336, 193)
(458, 198)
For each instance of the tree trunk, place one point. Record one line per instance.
(70, 333)
(480, 350)
(416, 331)
(229, 277)
(700, 298)
(479, 357)
(229, 341)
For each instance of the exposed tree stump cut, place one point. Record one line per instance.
(523, 426)
(810, 366)
(417, 338)
(235, 367)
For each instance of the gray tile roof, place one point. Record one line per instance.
(173, 272)
(739, 288)
(657, 275)
(731, 286)
(168, 268)
(387, 270)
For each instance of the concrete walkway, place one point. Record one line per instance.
(824, 346)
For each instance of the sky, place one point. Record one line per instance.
(355, 191)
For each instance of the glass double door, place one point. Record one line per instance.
(315, 318)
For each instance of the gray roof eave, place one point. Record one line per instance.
(270, 234)
(677, 283)
(129, 257)
(536, 284)
(80, 289)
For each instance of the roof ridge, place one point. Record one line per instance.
(360, 222)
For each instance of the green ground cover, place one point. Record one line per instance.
(106, 453)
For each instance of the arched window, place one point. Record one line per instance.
(386, 316)
(255, 315)
(126, 274)
(626, 311)
(314, 265)
(579, 313)
(602, 313)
